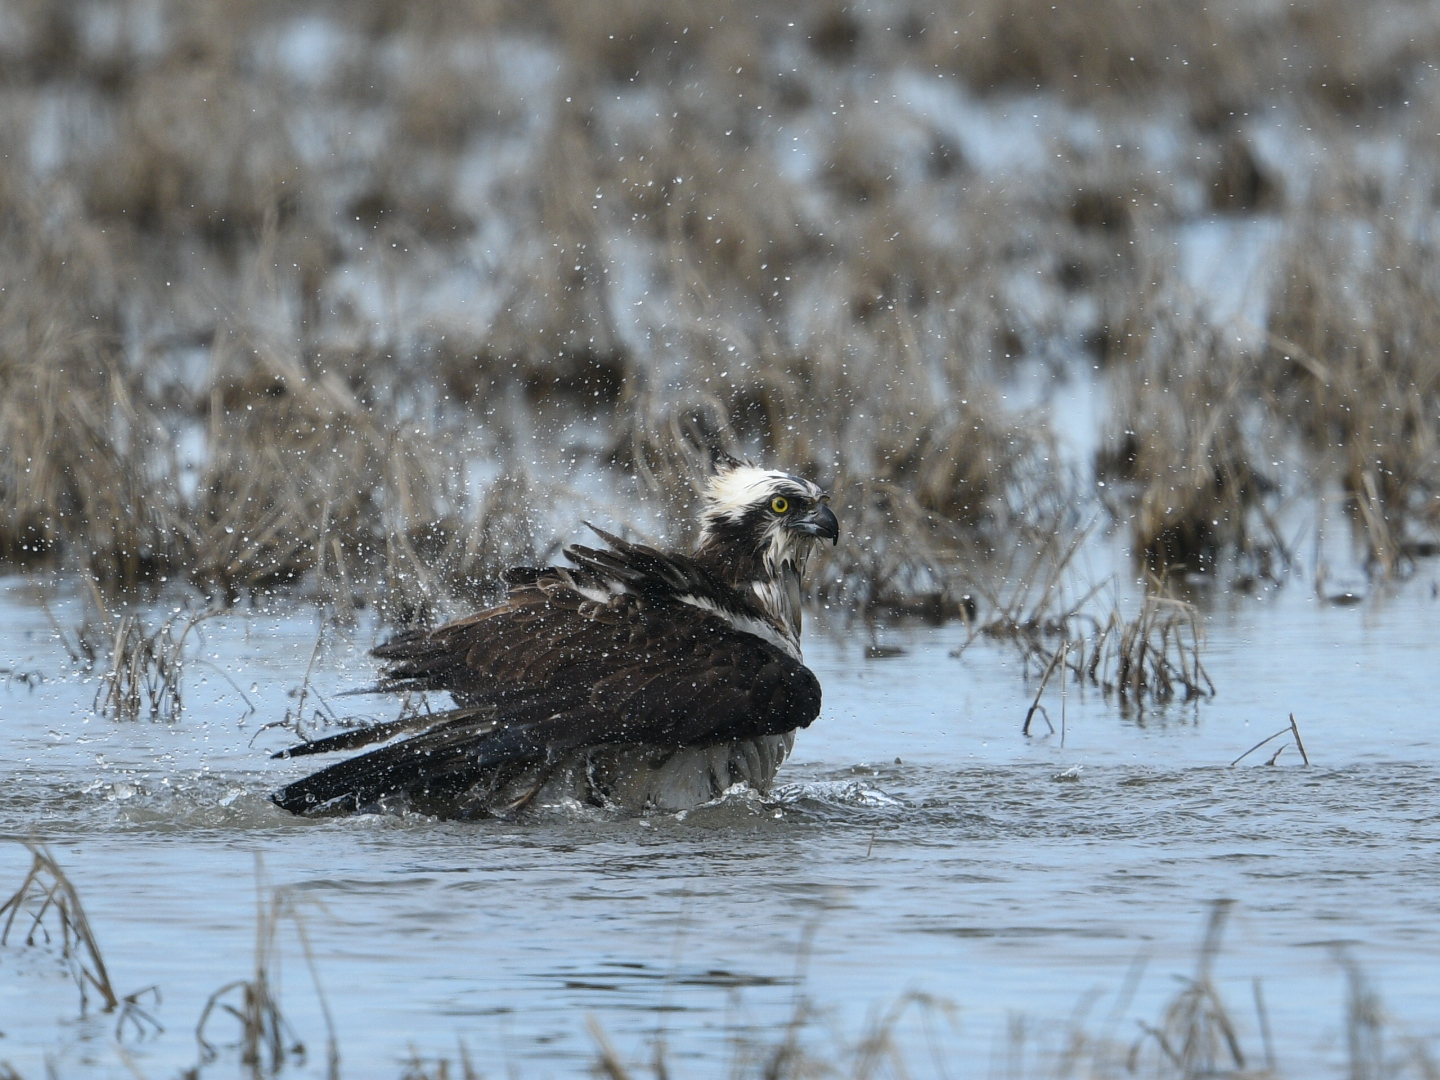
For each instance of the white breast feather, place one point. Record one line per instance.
(747, 624)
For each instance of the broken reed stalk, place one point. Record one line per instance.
(1154, 656)
(1064, 655)
(266, 1038)
(1299, 743)
(1292, 729)
(1384, 553)
(1035, 705)
(609, 1063)
(145, 669)
(85, 643)
(45, 888)
(1263, 1015)
(1196, 1034)
(295, 718)
(1364, 1023)
(877, 1053)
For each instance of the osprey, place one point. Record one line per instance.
(635, 678)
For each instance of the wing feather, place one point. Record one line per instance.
(549, 670)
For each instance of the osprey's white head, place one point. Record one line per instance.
(758, 527)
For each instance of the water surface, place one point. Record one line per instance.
(918, 841)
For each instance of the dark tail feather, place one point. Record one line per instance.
(373, 733)
(418, 660)
(450, 757)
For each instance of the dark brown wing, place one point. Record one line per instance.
(556, 671)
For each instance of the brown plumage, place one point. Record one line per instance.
(624, 663)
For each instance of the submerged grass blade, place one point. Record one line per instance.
(44, 889)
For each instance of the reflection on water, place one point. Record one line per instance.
(919, 840)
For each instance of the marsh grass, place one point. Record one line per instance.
(327, 454)
(439, 1068)
(1064, 626)
(1152, 658)
(46, 889)
(283, 367)
(1354, 368)
(1154, 655)
(144, 674)
(1197, 1033)
(82, 444)
(788, 1056)
(45, 899)
(1217, 59)
(85, 641)
(141, 668)
(265, 1040)
(1185, 451)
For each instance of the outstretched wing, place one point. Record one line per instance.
(566, 662)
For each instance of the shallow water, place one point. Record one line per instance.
(918, 837)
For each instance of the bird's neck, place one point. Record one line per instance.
(777, 593)
(780, 597)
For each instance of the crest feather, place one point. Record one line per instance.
(738, 488)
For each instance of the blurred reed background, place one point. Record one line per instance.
(369, 300)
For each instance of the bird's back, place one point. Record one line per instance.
(634, 678)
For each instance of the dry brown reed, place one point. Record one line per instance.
(1374, 1049)
(46, 889)
(1038, 598)
(46, 896)
(1196, 1034)
(289, 416)
(144, 675)
(83, 446)
(1220, 59)
(876, 1053)
(439, 1068)
(1151, 658)
(144, 671)
(1183, 453)
(1354, 367)
(224, 355)
(266, 1040)
(1293, 730)
(1061, 629)
(1106, 49)
(1156, 654)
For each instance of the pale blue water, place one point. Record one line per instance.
(1007, 875)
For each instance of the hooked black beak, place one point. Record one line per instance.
(820, 523)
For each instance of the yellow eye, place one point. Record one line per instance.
(779, 504)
